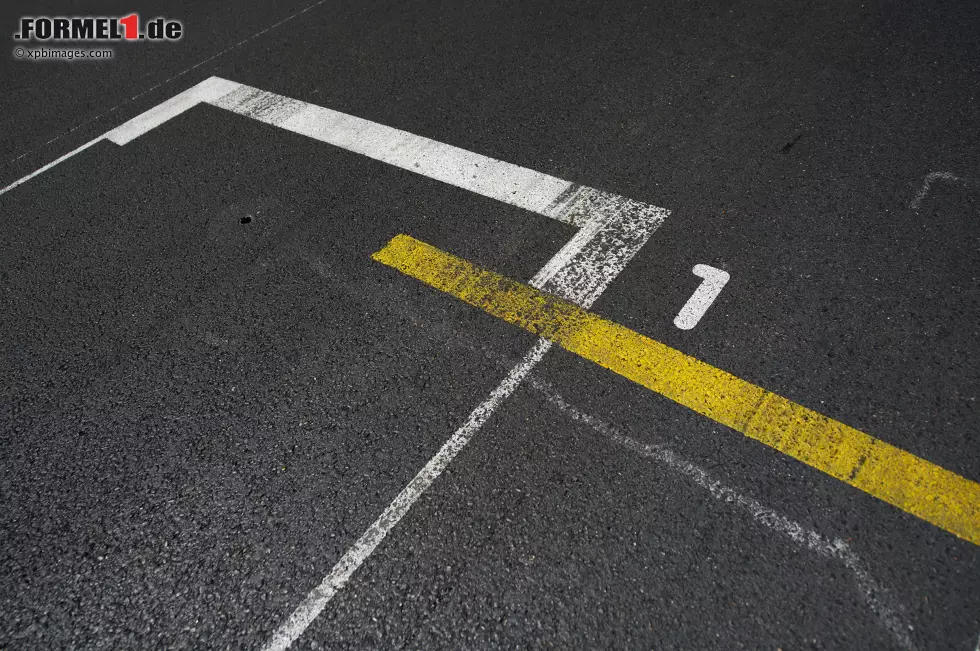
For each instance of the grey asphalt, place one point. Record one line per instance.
(209, 390)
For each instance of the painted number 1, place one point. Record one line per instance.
(703, 297)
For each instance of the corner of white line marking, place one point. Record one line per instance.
(613, 229)
(208, 90)
(214, 88)
(712, 274)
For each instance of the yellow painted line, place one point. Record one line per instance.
(914, 485)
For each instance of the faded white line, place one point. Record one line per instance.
(714, 280)
(931, 178)
(316, 601)
(615, 229)
(563, 275)
(171, 78)
(209, 89)
(611, 230)
(880, 601)
(51, 164)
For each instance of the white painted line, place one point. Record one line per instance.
(171, 78)
(315, 602)
(612, 230)
(511, 184)
(706, 293)
(879, 600)
(50, 165)
(625, 219)
(210, 89)
(615, 229)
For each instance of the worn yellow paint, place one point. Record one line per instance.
(914, 485)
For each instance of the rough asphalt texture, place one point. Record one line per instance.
(208, 390)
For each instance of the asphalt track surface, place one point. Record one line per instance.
(210, 390)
